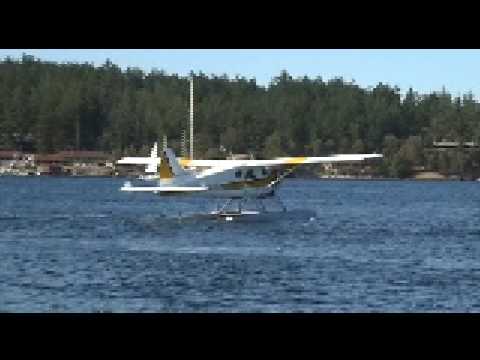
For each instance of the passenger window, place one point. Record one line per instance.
(249, 174)
(264, 171)
(238, 174)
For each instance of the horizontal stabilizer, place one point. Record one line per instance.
(138, 160)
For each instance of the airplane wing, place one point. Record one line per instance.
(218, 166)
(329, 159)
(229, 164)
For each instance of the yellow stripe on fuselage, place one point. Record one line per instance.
(184, 162)
(295, 160)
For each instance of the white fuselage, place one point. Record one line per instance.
(230, 183)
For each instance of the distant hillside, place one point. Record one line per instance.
(48, 107)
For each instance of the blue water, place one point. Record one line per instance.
(80, 245)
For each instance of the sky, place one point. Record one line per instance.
(423, 70)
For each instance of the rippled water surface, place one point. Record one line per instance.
(80, 245)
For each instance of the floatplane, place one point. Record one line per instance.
(236, 181)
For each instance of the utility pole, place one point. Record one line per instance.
(184, 143)
(191, 117)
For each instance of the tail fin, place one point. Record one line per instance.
(169, 165)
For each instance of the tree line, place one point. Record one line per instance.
(47, 106)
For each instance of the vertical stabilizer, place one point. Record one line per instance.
(177, 169)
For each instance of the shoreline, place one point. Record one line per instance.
(294, 177)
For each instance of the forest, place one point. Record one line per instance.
(47, 107)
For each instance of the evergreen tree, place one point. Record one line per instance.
(49, 107)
